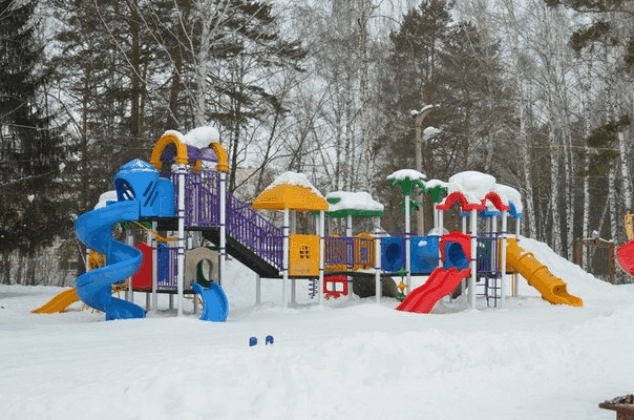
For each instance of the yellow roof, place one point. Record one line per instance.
(292, 197)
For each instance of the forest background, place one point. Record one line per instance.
(537, 93)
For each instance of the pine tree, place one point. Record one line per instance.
(31, 152)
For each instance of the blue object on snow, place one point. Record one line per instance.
(253, 341)
(269, 339)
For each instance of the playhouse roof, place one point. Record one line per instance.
(197, 146)
(292, 191)
(475, 191)
(357, 204)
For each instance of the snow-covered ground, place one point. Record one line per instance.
(350, 359)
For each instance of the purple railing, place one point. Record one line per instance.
(243, 223)
(254, 231)
(201, 189)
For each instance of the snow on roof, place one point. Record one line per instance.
(293, 178)
(354, 201)
(406, 173)
(473, 185)
(105, 197)
(199, 137)
(433, 183)
(512, 196)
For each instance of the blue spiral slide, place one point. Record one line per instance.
(94, 287)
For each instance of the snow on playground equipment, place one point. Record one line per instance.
(492, 254)
(179, 192)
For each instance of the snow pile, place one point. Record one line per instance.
(433, 183)
(345, 359)
(510, 195)
(293, 178)
(199, 137)
(412, 174)
(353, 201)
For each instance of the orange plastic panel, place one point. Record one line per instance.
(304, 255)
(363, 251)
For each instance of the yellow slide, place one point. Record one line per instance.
(59, 303)
(552, 288)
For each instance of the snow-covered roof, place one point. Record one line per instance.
(293, 178)
(199, 137)
(291, 190)
(477, 188)
(412, 174)
(512, 196)
(433, 183)
(353, 201)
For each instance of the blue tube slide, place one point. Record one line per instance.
(94, 288)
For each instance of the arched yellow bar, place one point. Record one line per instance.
(166, 140)
(221, 154)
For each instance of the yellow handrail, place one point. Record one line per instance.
(158, 237)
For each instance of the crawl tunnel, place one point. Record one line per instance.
(424, 253)
(392, 254)
(456, 250)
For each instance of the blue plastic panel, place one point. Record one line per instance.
(392, 254)
(424, 253)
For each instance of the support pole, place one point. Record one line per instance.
(503, 258)
(408, 251)
(322, 253)
(154, 268)
(474, 258)
(258, 289)
(377, 258)
(129, 293)
(181, 238)
(285, 230)
(223, 227)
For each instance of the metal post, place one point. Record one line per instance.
(474, 258)
(285, 229)
(322, 252)
(377, 258)
(154, 268)
(129, 293)
(181, 237)
(408, 251)
(503, 257)
(258, 289)
(223, 227)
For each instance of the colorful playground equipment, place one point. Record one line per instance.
(183, 191)
(625, 253)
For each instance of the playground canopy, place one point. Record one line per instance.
(292, 191)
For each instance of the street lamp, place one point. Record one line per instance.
(418, 117)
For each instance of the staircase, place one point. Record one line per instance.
(251, 238)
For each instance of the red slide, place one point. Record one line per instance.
(625, 257)
(441, 282)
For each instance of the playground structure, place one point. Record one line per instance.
(183, 190)
(625, 253)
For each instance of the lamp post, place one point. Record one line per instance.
(419, 117)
